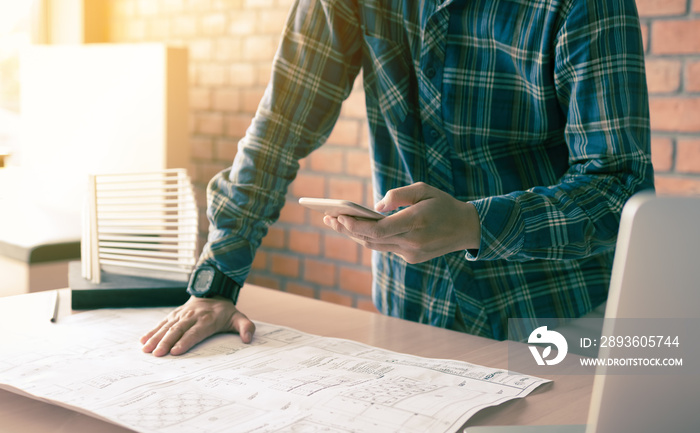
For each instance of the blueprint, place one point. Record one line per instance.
(284, 381)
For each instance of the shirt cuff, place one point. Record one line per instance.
(502, 229)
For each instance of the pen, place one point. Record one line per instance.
(54, 306)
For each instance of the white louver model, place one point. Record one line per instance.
(142, 224)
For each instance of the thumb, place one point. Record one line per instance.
(243, 326)
(402, 196)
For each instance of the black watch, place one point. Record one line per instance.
(207, 281)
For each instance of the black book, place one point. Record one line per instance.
(121, 291)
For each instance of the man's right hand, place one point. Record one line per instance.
(194, 321)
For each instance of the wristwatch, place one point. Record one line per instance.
(207, 281)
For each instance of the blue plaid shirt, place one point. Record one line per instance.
(534, 111)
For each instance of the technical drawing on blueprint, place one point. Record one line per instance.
(285, 380)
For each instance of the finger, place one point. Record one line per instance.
(383, 247)
(335, 224)
(244, 327)
(198, 332)
(147, 336)
(376, 231)
(155, 338)
(384, 244)
(172, 336)
(402, 196)
(194, 335)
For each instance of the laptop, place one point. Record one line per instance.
(656, 274)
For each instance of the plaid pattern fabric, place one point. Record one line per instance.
(535, 111)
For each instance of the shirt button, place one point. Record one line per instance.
(434, 133)
(430, 72)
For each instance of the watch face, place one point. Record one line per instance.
(203, 280)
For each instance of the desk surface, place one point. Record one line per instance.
(570, 395)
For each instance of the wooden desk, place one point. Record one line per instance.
(563, 402)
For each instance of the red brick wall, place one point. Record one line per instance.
(671, 30)
(231, 45)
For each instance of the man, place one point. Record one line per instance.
(505, 138)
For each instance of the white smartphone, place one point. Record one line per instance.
(335, 208)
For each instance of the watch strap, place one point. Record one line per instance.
(227, 287)
(221, 285)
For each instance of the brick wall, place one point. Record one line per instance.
(671, 30)
(231, 45)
